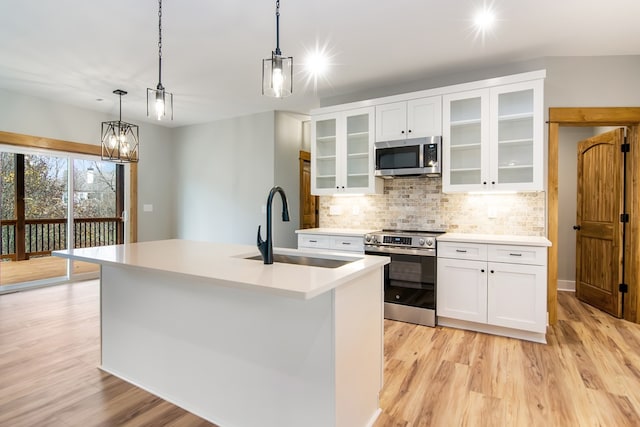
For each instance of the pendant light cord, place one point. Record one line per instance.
(159, 44)
(278, 28)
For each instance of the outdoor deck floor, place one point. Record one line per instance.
(12, 272)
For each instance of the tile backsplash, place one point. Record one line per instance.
(418, 204)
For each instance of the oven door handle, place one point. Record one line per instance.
(401, 251)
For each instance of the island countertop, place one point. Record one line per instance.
(225, 265)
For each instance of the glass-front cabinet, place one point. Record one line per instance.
(492, 139)
(342, 153)
(465, 135)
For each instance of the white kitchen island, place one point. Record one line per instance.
(241, 343)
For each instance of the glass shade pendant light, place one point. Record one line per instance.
(158, 98)
(120, 139)
(277, 71)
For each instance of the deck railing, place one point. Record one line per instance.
(41, 236)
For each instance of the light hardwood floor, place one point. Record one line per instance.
(588, 374)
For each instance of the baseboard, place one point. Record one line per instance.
(567, 285)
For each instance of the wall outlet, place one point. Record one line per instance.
(335, 210)
(355, 210)
(147, 208)
(492, 212)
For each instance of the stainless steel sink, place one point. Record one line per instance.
(306, 260)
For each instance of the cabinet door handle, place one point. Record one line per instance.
(402, 132)
(462, 251)
(482, 270)
(515, 254)
(409, 130)
(491, 271)
(346, 243)
(493, 183)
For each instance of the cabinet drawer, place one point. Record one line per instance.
(350, 244)
(534, 255)
(462, 250)
(314, 241)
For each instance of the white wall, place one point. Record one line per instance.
(289, 137)
(225, 170)
(39, 117)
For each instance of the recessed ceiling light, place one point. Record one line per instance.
(484, 19)
(317, 64)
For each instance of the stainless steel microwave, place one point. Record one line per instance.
(415, 156)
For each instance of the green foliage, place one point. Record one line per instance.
(7, 181)
(46, 187)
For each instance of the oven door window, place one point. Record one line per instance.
(398, 157)
(411, 280)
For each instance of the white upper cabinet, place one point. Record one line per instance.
(465, 140)
(342, 153)
(492, 139)
(415, 118)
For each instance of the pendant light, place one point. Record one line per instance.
(120, 139)
(159, 97)
(277, 71)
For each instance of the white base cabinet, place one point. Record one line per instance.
(462, 289)
(331, 240)
(499, 289)
(514, 299)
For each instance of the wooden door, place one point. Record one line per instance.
(599, 249)
(308, 203)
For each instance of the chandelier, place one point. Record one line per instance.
(120, 139)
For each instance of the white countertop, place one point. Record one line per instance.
(355, 232)
(225, 264)
(495, 239)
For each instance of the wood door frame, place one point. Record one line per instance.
(20, 140)
(596, 116)
(306, 156)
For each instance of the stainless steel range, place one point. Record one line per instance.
(410, 278)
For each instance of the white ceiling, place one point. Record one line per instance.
(77, 51)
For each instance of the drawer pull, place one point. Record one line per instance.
(313, 241)
(515, 254)
(346, 243)
(462, 251)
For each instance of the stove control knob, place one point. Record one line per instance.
(429, 242)
(367, 238)
(374, 239)
(421, 242)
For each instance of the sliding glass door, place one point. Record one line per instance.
(41, 214)
(97, 206)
